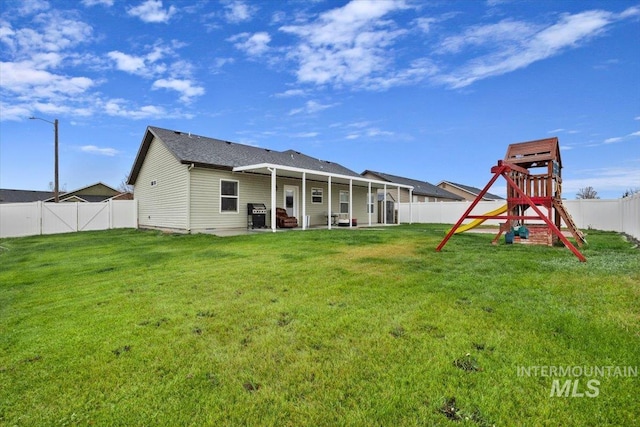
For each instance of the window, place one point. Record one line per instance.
(344, 202)
(316, 195)
(371, 204)
(154, 183)
(228, 196)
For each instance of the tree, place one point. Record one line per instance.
(630, 192)
(124, 187)
(587, 193)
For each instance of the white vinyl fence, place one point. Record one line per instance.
(621, 215)
(30, 219)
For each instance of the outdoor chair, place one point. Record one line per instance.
(283, 220)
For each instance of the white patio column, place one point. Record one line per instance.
(398, 217)
(329, 203)
(304, 200)
(350, 203)
(369, 205)
(273, 200)
(384, 205)
(410, 206)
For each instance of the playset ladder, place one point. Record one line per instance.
(568, 220)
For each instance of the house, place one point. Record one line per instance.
(467, 192)
(98, 192)
(191, 183)
(422, 191)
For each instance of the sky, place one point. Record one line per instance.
(428, 90)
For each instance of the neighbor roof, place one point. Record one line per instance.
(23, 196)
(97, 192)
(203, 151)
(422, 188)
(473, 190)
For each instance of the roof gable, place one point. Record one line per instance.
(538, 152)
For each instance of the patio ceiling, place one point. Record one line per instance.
(297, 173)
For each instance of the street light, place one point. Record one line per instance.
(55, 130)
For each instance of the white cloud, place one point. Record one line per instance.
(100, 151)
(28, 7)
(185, 87)
(238, 11)
(612, 140)
(290, 93)
(90, 3)
(128, 63)
(151, 11)
(347, 45)
(311, 107)
(252, 44)
(305, 135)
(27, 80)
(511, 45)
(118, 108)
(15, 112)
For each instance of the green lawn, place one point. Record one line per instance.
(321, 328)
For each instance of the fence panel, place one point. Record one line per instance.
(34, 218)
(93, 216)
(621, 215)
(124, 214)
(59, 218)
(20, 219)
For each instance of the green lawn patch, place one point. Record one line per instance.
(322, 328)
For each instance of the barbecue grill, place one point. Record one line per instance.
(256, 215)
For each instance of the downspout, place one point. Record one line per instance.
(191, 166)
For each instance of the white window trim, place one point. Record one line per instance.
(321, 191)
(225, 196)
(340, 202)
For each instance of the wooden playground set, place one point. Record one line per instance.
(533, 172)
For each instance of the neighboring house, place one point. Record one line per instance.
(194, 183)
(422, 190)
(97, 192)
(466, 191)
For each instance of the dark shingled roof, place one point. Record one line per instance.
(210, 152)
(475, 191)
(422, 188)
(23, 196)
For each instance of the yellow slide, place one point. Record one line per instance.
(477, 222)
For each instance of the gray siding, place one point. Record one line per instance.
(163, 205)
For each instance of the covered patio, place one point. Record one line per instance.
(309, 176)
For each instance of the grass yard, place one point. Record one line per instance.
(321, 328)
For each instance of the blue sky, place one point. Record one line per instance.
(430, 90)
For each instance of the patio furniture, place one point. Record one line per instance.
(283, 220)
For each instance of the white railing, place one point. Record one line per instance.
(621, 215)
(31, 219)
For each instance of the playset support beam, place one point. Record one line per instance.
(503, 169)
